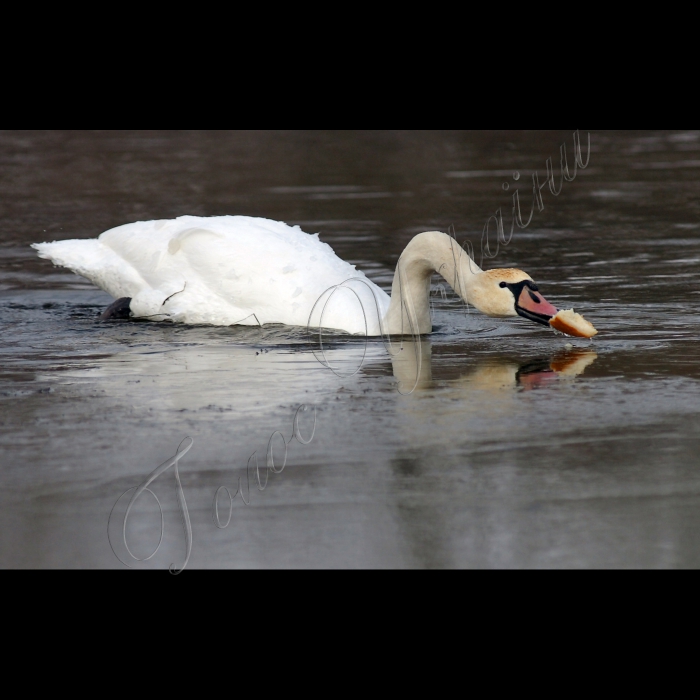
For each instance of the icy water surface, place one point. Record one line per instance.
(517, 448)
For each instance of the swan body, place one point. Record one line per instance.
(236, 270)
(221, 271)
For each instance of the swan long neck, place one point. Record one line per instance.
(426, 254)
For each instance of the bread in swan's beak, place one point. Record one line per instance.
(573, 324)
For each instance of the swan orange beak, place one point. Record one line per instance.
(532, 305)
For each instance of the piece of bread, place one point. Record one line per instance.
(574, 324)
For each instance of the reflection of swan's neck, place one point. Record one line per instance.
(428, 253)
(413, 366)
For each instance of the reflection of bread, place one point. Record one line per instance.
(572, 364)
(573, 324)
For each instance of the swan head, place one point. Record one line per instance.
(508, 293)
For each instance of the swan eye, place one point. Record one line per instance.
(503, 285)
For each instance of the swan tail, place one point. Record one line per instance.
(96, 262)
(75, 255)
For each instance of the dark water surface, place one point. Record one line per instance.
(514, 450)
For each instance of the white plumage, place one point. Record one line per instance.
(223, 271)
(234, 270)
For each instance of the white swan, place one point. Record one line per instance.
(242, 271)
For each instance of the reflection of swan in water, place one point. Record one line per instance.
(413, 368)
(238, 270)
(456, 413)
(218, 375)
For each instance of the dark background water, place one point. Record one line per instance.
(514, 451)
